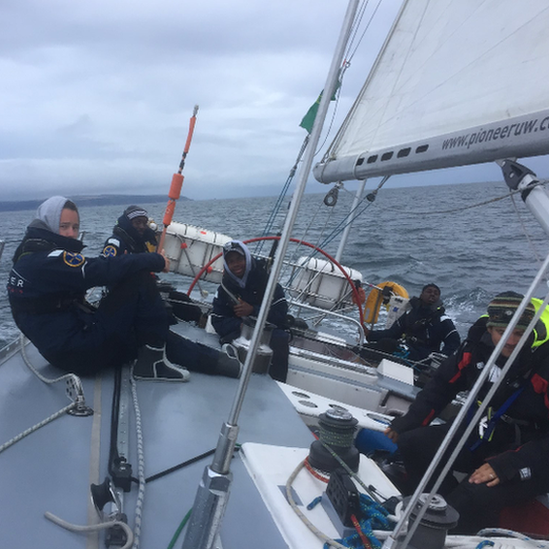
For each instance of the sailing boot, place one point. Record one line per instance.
(227, 366)
(153, 364)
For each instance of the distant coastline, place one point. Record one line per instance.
(99, 200)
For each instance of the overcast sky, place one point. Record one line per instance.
(96, 96)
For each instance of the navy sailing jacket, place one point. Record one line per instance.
(48, 281)
(226, 323)
(424, 330)
(126, 240)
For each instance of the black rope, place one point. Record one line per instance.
(180, 466)
(115, 409)
(184, 464)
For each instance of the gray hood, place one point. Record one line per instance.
(48, 214)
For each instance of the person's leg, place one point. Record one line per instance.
(479, 505)
(130, 320)
(280, 344)
(417, 449)
(200, 358)
(137, 302)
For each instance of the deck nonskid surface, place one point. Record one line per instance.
(50, 469)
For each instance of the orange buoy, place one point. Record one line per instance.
(375, 300)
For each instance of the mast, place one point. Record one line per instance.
(213, 491)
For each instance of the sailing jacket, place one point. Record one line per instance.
(424, 330)
(519, 446)
(126, 240)
(48, 281)
(226, 323)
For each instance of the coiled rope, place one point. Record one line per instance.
(336, 435)
(374, 517)
(330, 542)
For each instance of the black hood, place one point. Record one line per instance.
(129, 234)
(39, 239)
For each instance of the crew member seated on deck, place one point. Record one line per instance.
(133, 235)
(46, 290)
(505, 458)
(240, 295)
(423, 330)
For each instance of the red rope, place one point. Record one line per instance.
(365, 540)
(314, 472)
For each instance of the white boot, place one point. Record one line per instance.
(153, 364)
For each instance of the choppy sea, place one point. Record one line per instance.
(458, 236)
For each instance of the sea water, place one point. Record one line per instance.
(461, 237)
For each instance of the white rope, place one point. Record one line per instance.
(491, 532)
(92, 527)
(140, 465)
(49, 419)
(34, 428)
(49, 381)
(331, 542)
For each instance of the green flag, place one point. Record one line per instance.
(309, 118)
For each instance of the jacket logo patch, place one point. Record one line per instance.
(72, 259)
(109, 251)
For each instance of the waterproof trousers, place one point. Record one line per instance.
(479, 506)
(131, 315)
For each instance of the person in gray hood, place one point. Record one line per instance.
(46, 289)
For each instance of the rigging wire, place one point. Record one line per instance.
(352, 54)
(477, 204)
(524, 230)
(348, 220)
(345, 65)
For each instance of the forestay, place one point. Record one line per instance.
(456, 82)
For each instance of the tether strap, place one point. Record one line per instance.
(492, 423)
(229, 293)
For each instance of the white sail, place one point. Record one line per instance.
(457, 82)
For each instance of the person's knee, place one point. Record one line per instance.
(408, 443)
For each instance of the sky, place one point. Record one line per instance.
(96, 97)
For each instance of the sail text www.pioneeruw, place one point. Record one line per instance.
(493, 134)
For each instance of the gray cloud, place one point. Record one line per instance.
(98, 95)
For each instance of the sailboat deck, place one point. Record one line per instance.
(51, 469)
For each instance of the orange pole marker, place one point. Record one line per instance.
(177, 182)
